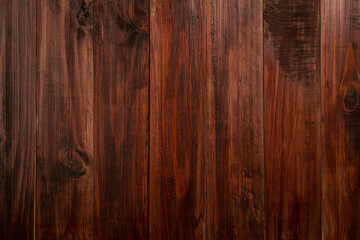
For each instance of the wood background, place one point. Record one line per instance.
(191, 119)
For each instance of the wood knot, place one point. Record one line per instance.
(198, 220)
(350, 99)
(75, 162)
(2, 138)
(350, 84)
(131, 15)
(83, 14)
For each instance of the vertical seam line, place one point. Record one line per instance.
(36, 117)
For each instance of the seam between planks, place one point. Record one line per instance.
(36, 119)
(264, 135)
(149, 125)
(320, 120)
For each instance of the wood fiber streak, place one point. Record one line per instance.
(65, 166)
(235, 175)
(178, 105)
(17, 118)
(340, 119)
(292, 119)
(121, 126)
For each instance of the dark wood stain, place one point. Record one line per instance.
(17, 118)
(121, 119)
(354, 15)
(293, 26)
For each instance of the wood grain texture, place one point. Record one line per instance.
(121, 126)
(167, 119)
(17, 118)
(206, 121)
(292, 119)
(65, 165)
(340, 119)
(235, 175)
(179, 85)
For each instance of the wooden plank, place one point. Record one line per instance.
(292, 119)
(17, 118)
(121, 123)
(235, 176)
(340, 119)
(65, 165)
(178, 121)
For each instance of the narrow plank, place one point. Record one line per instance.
(17, 118)
(121, 123)
(340, 119)
(235, 176)
(292, 119)
(179, 83)
(65, 165)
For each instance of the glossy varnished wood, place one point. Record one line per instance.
(121, 123)
(17, 118)
(292, 119)
(340, 119)
(235, 168)
(65, 157)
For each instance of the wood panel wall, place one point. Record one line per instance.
(192, 119)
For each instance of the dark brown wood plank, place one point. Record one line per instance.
(340, 119)
(121, 125)
(65, 165)
(292, 119)
(332, 32)
(179, 83)
(17, 118)
(235, 176)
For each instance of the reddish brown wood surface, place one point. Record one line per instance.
(235, 172)
(178, 116)
(189, 119)
(206, 121)
(121, 126)
(340, 119)
(65, 156)
(292, 119)
(17, 118)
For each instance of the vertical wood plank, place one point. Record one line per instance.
(65, 166)
(292, 119)
(333, 36)
(206, 122)
(121, 126)
(340, 119)
(235, 180)
(17, 118)
(178, 107)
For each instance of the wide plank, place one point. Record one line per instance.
(179, 82)
(340, 40)
(292, 119)
(121, 118)
(235, 175)
(17, 118)
(65, 157)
